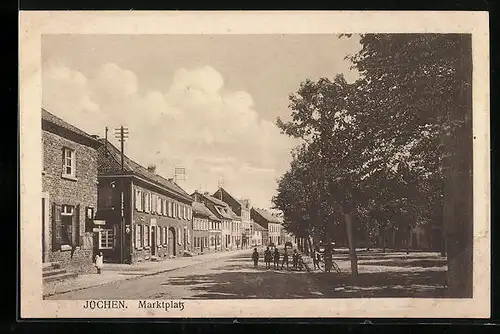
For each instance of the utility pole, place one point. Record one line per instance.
(122, 134)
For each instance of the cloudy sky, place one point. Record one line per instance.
(207, 103)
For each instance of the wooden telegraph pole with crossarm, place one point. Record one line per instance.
(121, 134)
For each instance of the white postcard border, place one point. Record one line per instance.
(33, 24)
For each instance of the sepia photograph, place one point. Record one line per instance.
(204, 167)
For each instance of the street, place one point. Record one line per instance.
(391, 274)
(233, 278)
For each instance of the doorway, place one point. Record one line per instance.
(153, 240)
(171, 241)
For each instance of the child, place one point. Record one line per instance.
(99, 262)
(268, 258)
(255, 257)
(276, 258)
(285, 260)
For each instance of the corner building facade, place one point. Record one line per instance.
(69, 193)
(144, 216)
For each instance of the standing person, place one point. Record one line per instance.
(276, 258)
(316, 258)
(99, 262)
(255, 257)
(285, 259)
(268, 257)
(295, 258)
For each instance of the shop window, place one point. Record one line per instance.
(106, 239)
(69, 162)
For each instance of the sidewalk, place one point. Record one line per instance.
(121, 272)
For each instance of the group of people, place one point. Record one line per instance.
(275, 256)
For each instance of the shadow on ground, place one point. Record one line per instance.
(242, 281)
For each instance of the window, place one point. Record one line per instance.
(164, 236)
(184, 212)
(154, 202)
(67, 224)
(159, 205)
(145, 236)
(169, 209)
(138, 200)
(106, 239)
(158, 236)
(147, 198)
(179, 213)
(69, 162)
(138, 238)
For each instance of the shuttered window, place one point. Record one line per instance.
(138, 236)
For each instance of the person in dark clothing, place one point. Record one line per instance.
(316, 258)
(285, 259)
(295, 259)
(268, 256)
(276, 258)
(255, 257)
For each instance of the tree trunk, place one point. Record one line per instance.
(383, 240)
(443, 245)
(352, 246)
(408, 241)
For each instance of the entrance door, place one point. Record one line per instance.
(153, 240)
(171, 241)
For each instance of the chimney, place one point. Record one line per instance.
(152, 168)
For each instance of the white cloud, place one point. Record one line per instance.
(194, 122)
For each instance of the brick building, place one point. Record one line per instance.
(145, 216)
(271, 223)
(69, 193)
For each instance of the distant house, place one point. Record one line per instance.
(69, 193)
(221, 228)
(144, 215)
(241, 225)
(204, 223)
(257, 234)
(271, 223)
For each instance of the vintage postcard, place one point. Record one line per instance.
(254, 164)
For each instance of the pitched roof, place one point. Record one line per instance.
(258, 227)
(268, 216)
(202, 210)
(51, 118)
(215, 200)
(133, 167)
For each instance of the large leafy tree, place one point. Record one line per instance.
(395, 143)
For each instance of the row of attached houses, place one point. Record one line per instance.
(96, 200)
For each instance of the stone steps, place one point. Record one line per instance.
(52, 271)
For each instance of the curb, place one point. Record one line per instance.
(125, 279)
